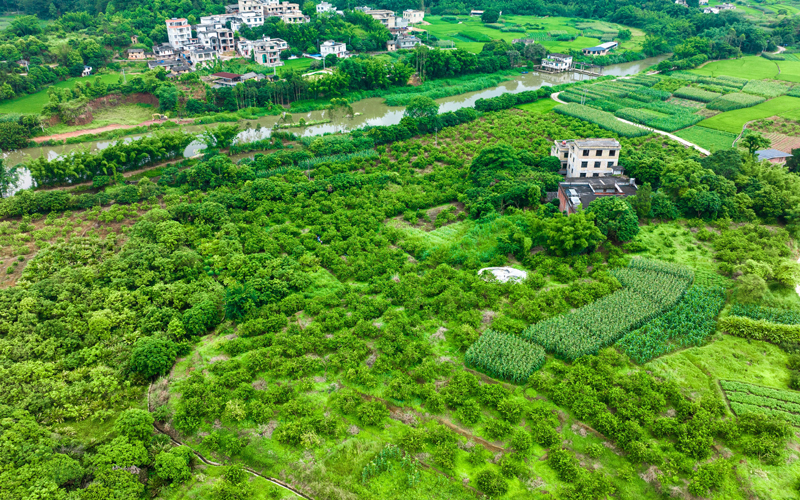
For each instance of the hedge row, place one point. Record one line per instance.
(760, 329)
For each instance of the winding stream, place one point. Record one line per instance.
(368, 112)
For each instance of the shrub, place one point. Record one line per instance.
(491, 483)
(152, 357)
(135, 424)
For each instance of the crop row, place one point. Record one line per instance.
(690, 323)
(658, 120)
(766, 89)
(661, 266)
(742, 408)
(775, 404)
(504, 356)
(696, 94)
(729, 102)
(341, 158)
(771, 314)
(757, 390)
(646, 294)
(720, 81)
(605, 120)
(646, 80)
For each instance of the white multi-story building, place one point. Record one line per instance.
(215, 36)
(413, 16)
(251, 6)
(557, 62)
(588, 157)
(338, 49)
(266, 52)
(178, 32)
(202, 55)
(386, 17)
(290, 13)
(325, 8)
(250, 18)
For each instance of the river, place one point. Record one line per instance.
(367, 112)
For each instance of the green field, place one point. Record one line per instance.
(34, 103)
(450, 31)
(540, 106)
(707, 138)
(300, 64)
(733, 121)
(752, 67)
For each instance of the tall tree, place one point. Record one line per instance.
(8, 178)
(755, 141)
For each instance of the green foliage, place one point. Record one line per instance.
(690, 323)
(491, 483)
(770, 314)
(504, 356)
(615, 218)
(152, 356)
(136, 425)
(753, 398)
(766, 88)
(696, 94)
(174, 465)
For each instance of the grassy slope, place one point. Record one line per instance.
(34, 103)
(732, 121)
(707, 138)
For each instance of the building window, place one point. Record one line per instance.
(613, 152)
(583, 174)
(597, 164)
(566, 155)
(599, 152)
(610, 164)
(584, 164)
(596, 174)
(585, 152)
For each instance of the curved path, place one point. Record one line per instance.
(655, 131)
(276, 482)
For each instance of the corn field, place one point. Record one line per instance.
(649, 289)
(504, 356)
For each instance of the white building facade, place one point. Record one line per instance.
(178, 32)
(413, 16)
(328, 47)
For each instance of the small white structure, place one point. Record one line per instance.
(325, 7)
(87, 71)
(505, 274)
(339, 49)
(703, 2)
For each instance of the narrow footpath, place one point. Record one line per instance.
(655, 131)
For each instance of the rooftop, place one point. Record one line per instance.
(560, 56)
(596, 143)
(584, 190)
(229, 76)
(769, 154)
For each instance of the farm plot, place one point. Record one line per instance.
(755, 67)
(751, 398)
(601, 118)
(504, 356)
(707, 138)
(729, 102)
(771, 314)
(766, 89)
(733, 121)
(649, 289)
(690, 323)
(696, 94)
(661, 121)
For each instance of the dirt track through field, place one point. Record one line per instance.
(99, 130)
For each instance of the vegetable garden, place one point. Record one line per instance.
(750, 398)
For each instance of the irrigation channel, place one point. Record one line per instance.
(368, 112)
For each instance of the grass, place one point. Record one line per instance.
(34, 103)
(707, 138)
(540, 106)
(790, 71)
(300, 64)
(126, 114)
(449, 31)
(752, 67)
(733, 121)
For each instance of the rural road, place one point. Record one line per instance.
(660, 132)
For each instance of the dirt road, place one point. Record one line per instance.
(113, 126)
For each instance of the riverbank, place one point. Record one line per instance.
(367, 112)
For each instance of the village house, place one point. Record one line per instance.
(588, 157)
(386, 17)
(164, 52)
(325, 8)
(574, 194)
(201, 55)
(266, 52)
(773, 156)
(413, 16)
(600, 50)
(403, 43)
(215, 36)
(328, 47)
(135, 54)
(557, 62)
(179, 33)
